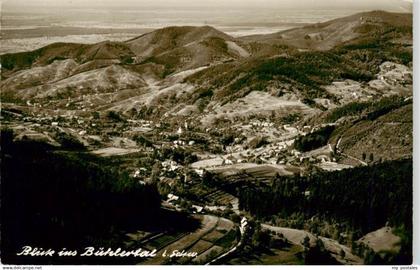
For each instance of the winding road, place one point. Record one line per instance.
(242, 230)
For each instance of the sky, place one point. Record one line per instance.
(391, 5)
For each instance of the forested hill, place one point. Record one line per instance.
(364, 198)
(72, 196)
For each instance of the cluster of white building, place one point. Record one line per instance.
(170, 165)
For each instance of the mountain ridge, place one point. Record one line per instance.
(326, 35)
(169, 38)
(217, 68)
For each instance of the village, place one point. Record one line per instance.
(178, 155)
(196, 168)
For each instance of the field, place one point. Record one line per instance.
(333, 166)
(296, 237)
(258, 103)
(251, 172)
(208, 255)
(113, 151)
(215, 236)
(219, 197)
(382, 240)
(285, 256)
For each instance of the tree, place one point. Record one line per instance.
(372, 258)
(318, 255)
(342, 254)
(306, 242)
(115, 116)
(235, 218)
(354, 247)
(156, 169)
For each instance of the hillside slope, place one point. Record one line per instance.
(388, 137)
(200, 72)
(325, 36)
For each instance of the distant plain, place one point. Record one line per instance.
(29, 30)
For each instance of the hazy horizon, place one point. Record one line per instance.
(390, 5)
(36, 23)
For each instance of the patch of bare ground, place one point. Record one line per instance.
(381, 240)
(257, 102)
(252, 169)
(114, 151)
(333, 166)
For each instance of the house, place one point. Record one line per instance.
(295, 153)
(170, 165)
(323, 158)
(227, 162)
(244, 223)
(200, 172)
(138, 172)
(172, 197)
(179, 142)
(197, 208)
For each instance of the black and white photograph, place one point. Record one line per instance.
(210, 132)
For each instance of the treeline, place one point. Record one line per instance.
(314, 140)
(54, 199)
(365, 198)
(368, 110)
(308, 71)
(358, 59)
